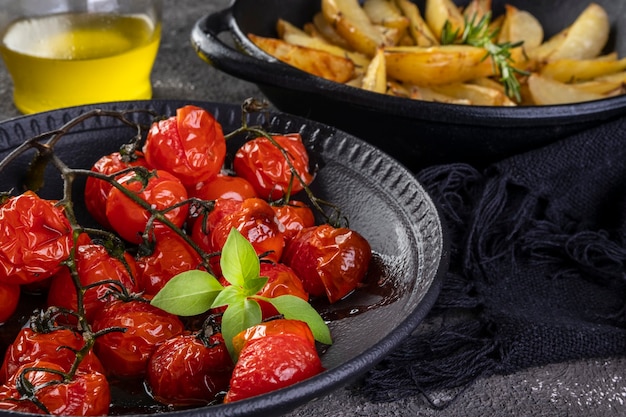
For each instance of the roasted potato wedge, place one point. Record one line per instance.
(440, 12)
(375, 78)
(586, 37)
(386, 13)
(520, 26)
(418, 29)
(546, 91)
(316, 62)
(292, 34)
(437, 65)
(328, 31)
(477, 9)
(575, 70)
(352, 23)
(477, 95)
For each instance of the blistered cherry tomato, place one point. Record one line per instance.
(171, 255)
(274, 327)
(282, 280)
(268, 363)
(58, 346)
(97, 190)
(126, 354)
(162, 191)
(190, 145)
(9, 299)
(329, 260)
(94, 264)
(35, 237)
(85, 394)
(223, 186)
(253, 218)
(295, 216)
(267, 169)
(188, 370)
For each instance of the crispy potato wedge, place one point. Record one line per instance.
(586, 37)
(375, 78)
(328, 31)
(437, 65)
(316, 62)
(353, 24)
(477, 95)
(575, 70)
(293, 35)
(385, 13)
(418, 29)
(546, 91)
(438, 12)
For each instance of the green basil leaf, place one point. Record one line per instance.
(188, 293)
(238, 317)
(239, 262)
(231, 294)
(254, 285)
(292, 307)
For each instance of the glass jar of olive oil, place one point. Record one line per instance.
(63, 53)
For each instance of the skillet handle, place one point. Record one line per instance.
(208, 46)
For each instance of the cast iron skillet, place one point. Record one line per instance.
(416, 133)
(382, 199)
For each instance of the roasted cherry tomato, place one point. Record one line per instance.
(329, 260)
(274, 327)
(254, 219)
(58, 346)
(282, 280)
(267, 169)
(268, 363)
(170, 256)
(223, 186)
(93, 264)
(162, 191)
(85, 394)
(97, 190)
(295, 216)
(126, 353)
(9, 299)
(189, 370)
(35, 237)
(10, 400)
(190, 145)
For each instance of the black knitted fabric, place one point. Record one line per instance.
(538, 267)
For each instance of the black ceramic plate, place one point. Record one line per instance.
(417, 133)
(383, 201)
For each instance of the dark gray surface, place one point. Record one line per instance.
(586, 388)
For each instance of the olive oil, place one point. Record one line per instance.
(79, 58)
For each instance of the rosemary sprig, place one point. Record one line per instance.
(477, 33)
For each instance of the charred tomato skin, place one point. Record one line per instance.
(269, 363)
(330, 261)
(187, 371)
(162, 191)
(190, 145)
(264, 165)
(125, 354)
(35, 237)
